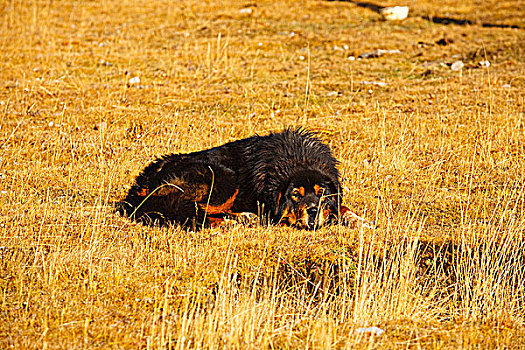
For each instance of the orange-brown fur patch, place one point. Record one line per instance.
(222, 208)
(303, 214)
(326, 215)
(143, 192)
(289, 217)
(298, 218)
(214, 222)
(318, 190)
(301, 191)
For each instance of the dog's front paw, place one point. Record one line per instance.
(351, 219)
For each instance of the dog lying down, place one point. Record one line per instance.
(290, 178)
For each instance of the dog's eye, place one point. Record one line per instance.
(297, 193)
(319, 191)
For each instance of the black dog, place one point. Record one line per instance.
(289, 177)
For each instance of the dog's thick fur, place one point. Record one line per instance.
(288, 177)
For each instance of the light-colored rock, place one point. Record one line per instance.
(134, 81)
(457, 66)
(375, 331)
(484, 64)
(396, 13)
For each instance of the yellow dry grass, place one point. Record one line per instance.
(435, 157)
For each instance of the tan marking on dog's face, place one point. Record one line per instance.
(318, 190)
(288, 218)
(302, 215)
(297, 218)
(222, 208)
(297, 194)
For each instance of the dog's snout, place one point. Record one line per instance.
(312, 213)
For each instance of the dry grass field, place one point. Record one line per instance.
(91, 91)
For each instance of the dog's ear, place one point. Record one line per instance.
(278, 210)
(334, 189)
(336, 192)
(282, 201)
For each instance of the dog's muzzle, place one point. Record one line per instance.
(313, 217)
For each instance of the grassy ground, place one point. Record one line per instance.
(434, 156)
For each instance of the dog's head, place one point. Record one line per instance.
(309, 201)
